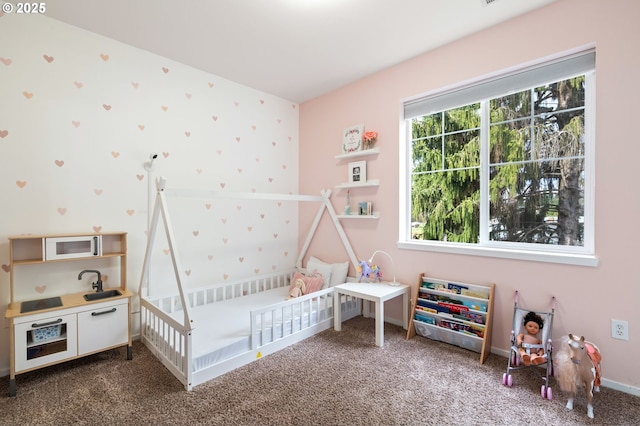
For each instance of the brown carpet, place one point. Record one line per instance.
(334, 378)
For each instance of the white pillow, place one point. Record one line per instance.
(321, 268)
(338, 270)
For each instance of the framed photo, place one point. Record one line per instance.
(358, 172)
(352, 139)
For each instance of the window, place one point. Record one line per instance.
(503, 167)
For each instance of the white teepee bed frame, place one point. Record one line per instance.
(168, 323)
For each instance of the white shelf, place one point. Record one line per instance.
(374, 182)
(375, 215)
(363, 153)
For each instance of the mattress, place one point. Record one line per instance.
(221, 329)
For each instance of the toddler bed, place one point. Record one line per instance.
(201, 333)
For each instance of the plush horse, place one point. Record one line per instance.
(577, 363)
(369, 271)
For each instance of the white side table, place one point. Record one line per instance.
(374, 292)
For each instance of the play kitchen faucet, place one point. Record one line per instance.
(98, 284)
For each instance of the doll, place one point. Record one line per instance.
(298, 289)
(533, 323)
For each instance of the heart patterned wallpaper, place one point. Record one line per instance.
(79, 116)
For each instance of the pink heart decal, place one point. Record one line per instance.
(215, 118)
(286, 253)
(237, 139)
(21, 184)
(130, 212)
(6, 268)
(104, 57)
(261, 215)
(40, 288)
(165, 70)
(48, 58)
(27, 95)
(257, 160)
(165, 154)
(222, 184)
(208, 206)
(239, 170)
(134, 84)
(62, 211)
(219, 151)
(76, 124)
(249, 228)
(210, 85)
(140, 177)
(270, 179)
(98, 192)
(293, 106)
(253, 127)
(141, 126)
(262, 101)
(164, 108)
(188, 95)
(5, 61)
(225, 276)
(4, 133)
(115, 154)
(241, 259)
(236, 103)
(59, 163)
(187, 134)
(97, 228)
(199, 171)
(78, 84)
(224, 220)
(225, 240)
(106, 107)
(273, 143)
(210, 257)
(275, 235)
(284, 167)
(259, 249)
(257, 271)
(196, 233)
(188, 272)
(166, 251)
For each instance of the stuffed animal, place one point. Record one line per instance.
(299, 288)
(369, 271)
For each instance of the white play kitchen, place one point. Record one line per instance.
(69, 298)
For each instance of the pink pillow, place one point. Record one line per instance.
(312, 284)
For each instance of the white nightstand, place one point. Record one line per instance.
(374, 292)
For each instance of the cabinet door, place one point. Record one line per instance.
(103, 328)
(43, 341)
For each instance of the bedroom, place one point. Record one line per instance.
(72, 154)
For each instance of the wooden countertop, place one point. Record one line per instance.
(68, 301)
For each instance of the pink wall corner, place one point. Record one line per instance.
(587, 297)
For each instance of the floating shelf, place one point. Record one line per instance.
(375, 215)
(374, 182)
(365, 152)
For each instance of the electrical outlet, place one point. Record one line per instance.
(620, 329)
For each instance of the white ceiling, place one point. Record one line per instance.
(294, 49)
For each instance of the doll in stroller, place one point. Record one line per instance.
(531, 345)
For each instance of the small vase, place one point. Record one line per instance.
(370, 143)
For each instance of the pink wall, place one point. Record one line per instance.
(588, 297)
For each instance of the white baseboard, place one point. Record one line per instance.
(606, 383)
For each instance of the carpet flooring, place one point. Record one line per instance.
(333, 378)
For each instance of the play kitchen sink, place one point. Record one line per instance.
(101, 295)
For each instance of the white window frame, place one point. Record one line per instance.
(574, 255)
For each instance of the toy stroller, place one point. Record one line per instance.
(531, 344)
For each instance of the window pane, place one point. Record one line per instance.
(446, 206)
(446, 176)
(536, 203)
(510, 107)
(510, 142)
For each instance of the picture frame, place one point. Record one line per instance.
(358, 172)
(352, 139)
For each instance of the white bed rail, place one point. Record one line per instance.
(281, 320)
